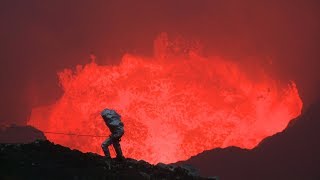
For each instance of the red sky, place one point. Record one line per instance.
(39, 38)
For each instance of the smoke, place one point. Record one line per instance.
(40, 38)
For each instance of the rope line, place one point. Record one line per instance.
(73, 134)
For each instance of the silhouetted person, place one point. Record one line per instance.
(113, 121)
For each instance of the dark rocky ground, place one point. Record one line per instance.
(44, 160)
(291, 154)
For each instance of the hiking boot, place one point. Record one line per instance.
(107, 158)
(120, 158)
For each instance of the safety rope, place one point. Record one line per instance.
(73, 134)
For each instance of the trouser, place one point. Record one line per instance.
(114, 139)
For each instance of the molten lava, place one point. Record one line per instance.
(174, 105)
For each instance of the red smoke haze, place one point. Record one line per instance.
(174, 105)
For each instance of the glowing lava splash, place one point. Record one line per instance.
(174, 105)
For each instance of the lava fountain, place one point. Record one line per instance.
(174, 105)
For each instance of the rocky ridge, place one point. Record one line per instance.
(43, 159)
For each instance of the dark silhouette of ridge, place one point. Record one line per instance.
(291, 154)
(20, 134)
(42, 159)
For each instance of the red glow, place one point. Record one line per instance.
(173, 106)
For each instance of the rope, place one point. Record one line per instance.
(73, 134)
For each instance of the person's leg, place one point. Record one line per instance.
(117, 148)
(116, 143)
(105, 148)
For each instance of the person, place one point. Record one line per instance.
(116, 127)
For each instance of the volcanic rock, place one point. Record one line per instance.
(45, 160)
